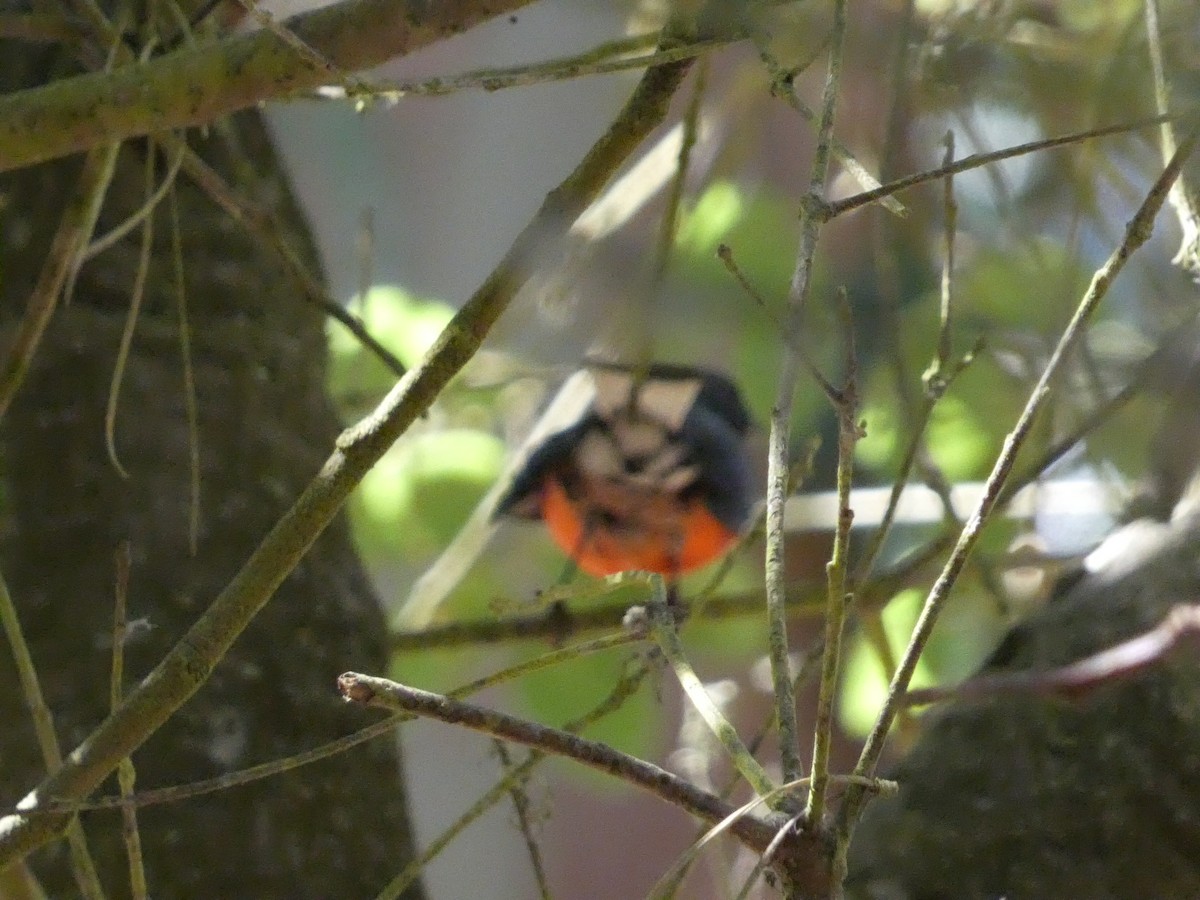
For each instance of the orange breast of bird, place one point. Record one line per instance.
(652, 474)
(608, 528)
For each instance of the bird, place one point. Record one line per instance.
(651, 473)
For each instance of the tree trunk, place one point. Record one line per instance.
(334, 829)
(1025, 796)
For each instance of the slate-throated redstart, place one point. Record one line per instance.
(653, 475)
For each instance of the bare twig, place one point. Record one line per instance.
(1179, 626)
(936, 379)
(189, 378)
(764, 859)
(119, 231)
(90, 12)
(18, 882)
(78, 220)
(870, 556)
(625, 688)
(837, 599)
(385, 694)
(520, 801)
(258, 222)
(1183, 198)
(975, 160)
(783, 84)
(669, 225)
(778, 461)
(178, 792)
(936, 374)
(126, 774)
(302, 48)
(263, 227)
(725, 255)
(1182, 334)
(136, 293)
(662, 628)
(596, 61)
(805, 599)
(82, 865)
(667, 884)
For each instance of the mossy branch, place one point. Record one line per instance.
(199, 84)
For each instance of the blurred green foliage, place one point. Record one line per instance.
(421, 493)
(417, 497)
(1029, 236)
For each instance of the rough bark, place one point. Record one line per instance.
(337, 828)
(1028, 797)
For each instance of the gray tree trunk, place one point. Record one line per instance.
(335, 829)
(1095, 795)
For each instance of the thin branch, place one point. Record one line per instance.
(596, 61)
(936, 380)
(764, 860)
(190, 662)
(975, 160)
(1183, 198)
(661, 621)
(78, 221)
(395, 888)
(302, 48)
(260, 223)
(945, 343)
(126, 774)
(837, 600)
(725, 255)
(178, 792)
(18, 882)
(1136, 234)
(783, 84)
(190, 403)
(90, 12)
(883, 258)
(870, 556)
(660, 260)
(670, 880)
(805, 599)
(669, 224)
(82, 865)
(778, 459)
(136, 294)
(382, 693)
(1180, 626)
(117, 232)
(521, 806)
(626, 687)
(1182, 334)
